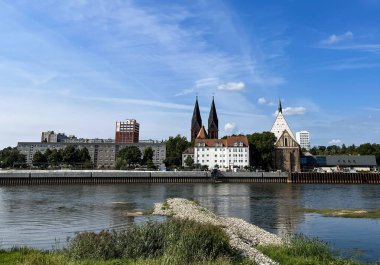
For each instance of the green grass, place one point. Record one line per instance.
(171, 242)
(301, 250)
(165, 205)
(345, 213)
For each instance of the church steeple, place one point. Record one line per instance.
(196, 121)
(213, 123)
(279, 106)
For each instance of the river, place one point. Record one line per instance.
(47, 216)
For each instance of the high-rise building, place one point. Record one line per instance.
(127, 132)
(52, 137)
(303, 138)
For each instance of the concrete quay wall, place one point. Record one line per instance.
(16, 177)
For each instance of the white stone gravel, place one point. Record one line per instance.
(243, 235)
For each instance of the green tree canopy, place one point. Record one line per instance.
(189, 161)
(261, 146)
(130, 155)
(9, 156)
(39, 159)
(175, 146)
(148, 155)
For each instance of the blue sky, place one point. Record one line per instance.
(78, 66)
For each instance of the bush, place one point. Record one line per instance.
(175, 241)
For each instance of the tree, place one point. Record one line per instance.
(70, 155)
(148, 154)
(39, 159)
(10, 156)
(261, 146)
(175, 146)
(54, 158)
(189, 161)
(130, 155)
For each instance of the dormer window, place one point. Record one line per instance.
(238, 144)
(201, 144)
(218, 144)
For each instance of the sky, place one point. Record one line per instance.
(78, 66)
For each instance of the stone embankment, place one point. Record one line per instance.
(243, 235)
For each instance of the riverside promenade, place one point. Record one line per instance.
(244, 236)
(41, 177)
(53, 177)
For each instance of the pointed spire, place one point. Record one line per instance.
(213, 123)
(196, 121)
(279, 106)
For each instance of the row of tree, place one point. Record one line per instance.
(70, 155)
(10, 156)
(363, 149)
(131, 156)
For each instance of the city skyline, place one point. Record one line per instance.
(79, 66)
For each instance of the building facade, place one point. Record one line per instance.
(287, 154)
(103, 154)
(303, 138)
(231, 152)
(127, 132)
(287, 151)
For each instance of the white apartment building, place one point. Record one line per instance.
(232, 152)
(303, 138)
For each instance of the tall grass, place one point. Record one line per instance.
(172, 242)
(302, 250)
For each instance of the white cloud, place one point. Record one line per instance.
(338, 38)
(290, 111)
(232, 86)
(294, 111)
(229, 128)
(335, 142)
(262, 101)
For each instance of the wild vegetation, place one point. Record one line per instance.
(302, 250)
(172, 242)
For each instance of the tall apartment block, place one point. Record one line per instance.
(303, 138)
(127, 132)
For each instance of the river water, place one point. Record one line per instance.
(47, 216)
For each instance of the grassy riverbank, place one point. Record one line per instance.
(345, 213)
(301, 250)
(172, 242)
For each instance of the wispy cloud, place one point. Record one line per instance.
(290, 111)
(338, 38)
(230, 128)
(264, 101)
(232, 86)
(335, 142)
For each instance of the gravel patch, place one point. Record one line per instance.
(243, 235)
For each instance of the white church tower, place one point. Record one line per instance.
(280, 125)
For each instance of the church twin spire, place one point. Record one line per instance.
(196, 122)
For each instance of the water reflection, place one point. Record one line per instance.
(39, 216)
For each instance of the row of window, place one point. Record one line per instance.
(222, 149)
(223, 161)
